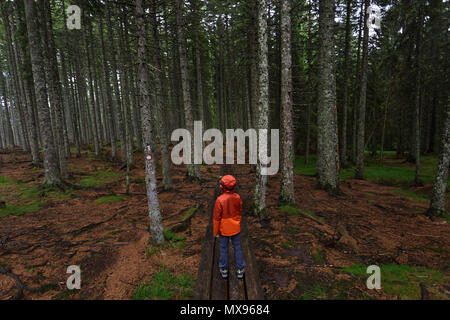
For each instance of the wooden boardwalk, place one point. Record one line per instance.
(210, 285)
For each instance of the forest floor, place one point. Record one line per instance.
(317, 250)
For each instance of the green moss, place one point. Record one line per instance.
(295, 211)
(150, 251)
(20, 210)
(175, 244)
(394, 171)
(311, 290)
(291, 210)
(68, 194)
(401, 280)
(312, 214)
(5, 181)
(138, 180)
(287, 244)
(99, 178)
(34, 192)
(412, 194)
(172, 236)
(30, 193)
(109, 199)
(189, 213)
(318, 256)
(180, 245)
(165, 286)
(307, 169)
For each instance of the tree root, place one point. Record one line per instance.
(78, 187)
(21, 287)
(19, 284)
(93, 225)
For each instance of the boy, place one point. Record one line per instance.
(227, 223)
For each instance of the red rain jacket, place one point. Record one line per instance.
(228, 209)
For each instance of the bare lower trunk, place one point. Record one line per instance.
(287, 166)
(124, 80)
(93, 112)
(359, 174)
(263, 107)
(54, 87)
(437, 206)
(109, 101)
(417, 130)
(193, 170)
(156, 227)
(348, 30)
(52, 176)
(117, 106)
(327, 144)
(161, 105)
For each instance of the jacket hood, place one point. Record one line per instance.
(227, 183)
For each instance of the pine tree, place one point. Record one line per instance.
(52, 175)
(359, 173)
(156, 227)
(287, 165)
(327, 138)
(263, 107)
(438, 197)
(193, 170)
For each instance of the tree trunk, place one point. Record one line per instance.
(309, 50)
(417, 131)
(161, 104)
(117, 106)
(359, 173)
(156, 227)
(93, 112)
(52, 176)
(347, 63)
(437, 205)
(263, 107)
(327, 138)
(54, 86)
(109, 101)
(357, 85)
(7, 128)
(198, 64)
(287, 165)
(193, 170)
(254, 62)
(124, 80)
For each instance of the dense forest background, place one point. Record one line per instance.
(136, 71)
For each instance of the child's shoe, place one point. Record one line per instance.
(224, 273)
(240, 273)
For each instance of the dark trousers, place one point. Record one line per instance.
(238, 257)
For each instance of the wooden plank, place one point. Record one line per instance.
(236, 290)
(203, 285)
(204, 276)
(251, 277)
(218, 284)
